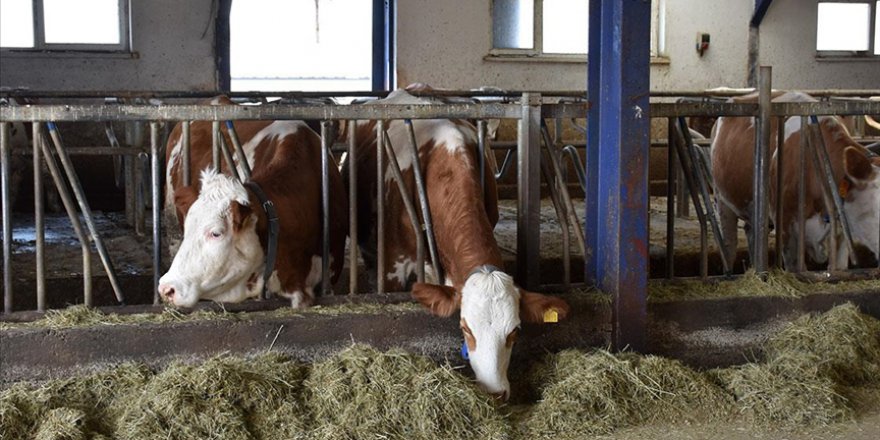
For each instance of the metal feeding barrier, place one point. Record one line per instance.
(531, 110)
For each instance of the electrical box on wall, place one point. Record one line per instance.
(702, 42)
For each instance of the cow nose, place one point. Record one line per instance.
(502, 395)
(166, 291)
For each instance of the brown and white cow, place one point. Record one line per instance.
(222, 254)
(492, 307)
(857, 174)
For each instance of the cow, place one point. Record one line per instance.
(491, 305)
(222, 254)
(857, 180)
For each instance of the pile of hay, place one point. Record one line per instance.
(361, 393)
(594, 393)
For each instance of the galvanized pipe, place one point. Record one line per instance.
(481, 150)
(140, 222)
(832, 181)
(70, 207)
(380, 207)
(505, 165)
(575, 158)
(562, 216)
(802, 197)
(780, 144)
(689, 174)
(325, 206)
(566, 238)
(227, 155)
(239, 151)
(352, 208)
(39, 219)
(186, 140)
(215, 145)
(410, 209)
(5, 158)
(79, 194)
(130, 197)
(761, 182)
(826, 196)
(565, 197)
(423, 201)
(157, 219)
(670, 200)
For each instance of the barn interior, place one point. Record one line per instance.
(598, 126)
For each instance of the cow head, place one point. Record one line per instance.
(492, 308)
(220, 250)
(862, 197)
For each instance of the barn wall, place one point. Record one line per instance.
(788, 43)
(444, 44)
(167, 36)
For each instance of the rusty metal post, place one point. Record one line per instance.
(761, 182)
(39, 219)
(528, 233)
(352, 209)
(5, 157)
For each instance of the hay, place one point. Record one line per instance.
(361, 393)
(775, 283)
(594, 393)
(63, 424)
(844, 344)
(224, 397)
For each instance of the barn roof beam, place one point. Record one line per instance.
(761, 7)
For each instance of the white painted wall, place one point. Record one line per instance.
(172, 54)
(444, 43)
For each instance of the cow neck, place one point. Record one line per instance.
(272, 232)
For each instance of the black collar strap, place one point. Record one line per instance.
(484, 268)
(272, 239)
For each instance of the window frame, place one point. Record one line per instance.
(40, 45)
(873, 24)
(536, 53)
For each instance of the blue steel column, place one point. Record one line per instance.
(591, 165)
(619, 87)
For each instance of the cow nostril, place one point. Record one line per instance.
(167, 291)
(502, 396)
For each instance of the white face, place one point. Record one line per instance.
(863, 212)
(214, 261)
(489, 320)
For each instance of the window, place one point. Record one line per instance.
(64, 24)
(319, 45)
(848, 28)
(553, 28)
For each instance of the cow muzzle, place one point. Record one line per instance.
(167, 292)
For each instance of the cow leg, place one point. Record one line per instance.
(728, 221)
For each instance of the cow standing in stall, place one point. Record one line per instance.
(225, 228)
(492, 307)
(857, 179)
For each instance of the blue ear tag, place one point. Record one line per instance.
(464, 351)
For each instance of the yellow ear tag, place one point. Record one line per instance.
(551, 315)
(843, 188)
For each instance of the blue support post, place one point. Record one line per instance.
(618, 155)
(591, 166)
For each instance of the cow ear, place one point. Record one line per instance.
(857, 165)
(538, 308)
(240, 215)
(440, 300)
(184, 197)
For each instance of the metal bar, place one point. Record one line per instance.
(576, 162)
(422, 191)
(227, 155)
(702, 175)
(79, 194)
(215, 145)
(778, 221)
(505, 165)
(564, 195)
(761, 182)
(140, 222)
(130, 197)
(5, 147)
(832, 181)
(92, 151)
(39, 219)
(528, 233)
(566, 237)
(352, 208)
(827, 189)
(186, 139)
(380, 207)
(239, 151)
(802, 178)
(670, 199)
(325, 206)
(689, 174)
(114, 143)
(481, 150)
(157, 219)
(70, 207)
(410, 209)
(563, 222)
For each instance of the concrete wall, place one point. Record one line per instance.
(171, 54)
(444, 44)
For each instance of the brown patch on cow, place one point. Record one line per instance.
(533, 305)
(469, 338)
(858, 166)
(440, 300)
(184, 197)
(511, 338)
(240, 215)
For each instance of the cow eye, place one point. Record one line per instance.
(215, 234)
